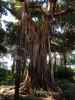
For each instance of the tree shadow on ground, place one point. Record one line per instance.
(2, 97)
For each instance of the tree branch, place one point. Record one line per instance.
(63, 12)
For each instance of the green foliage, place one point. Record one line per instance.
(11, 33)
(3, 49)
(2, 10)
(3, 74)
(6, 77)
(64, 73)
(68, 88)
(2, 39)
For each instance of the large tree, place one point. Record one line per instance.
(35, 42)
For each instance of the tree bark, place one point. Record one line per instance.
(17, 80)
(18, 66)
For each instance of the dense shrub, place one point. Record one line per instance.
(63, 72)
(6, 76)
(3, 74)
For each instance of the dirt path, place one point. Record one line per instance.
(7, 93)
(6, 90)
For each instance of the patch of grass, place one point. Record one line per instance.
(68, 88)
(6, 77)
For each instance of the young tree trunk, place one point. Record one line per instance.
(55, 65)
(51, 64)
(64, 56)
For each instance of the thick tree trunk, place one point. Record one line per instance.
(39, 68)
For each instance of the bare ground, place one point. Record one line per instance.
(7, 93)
